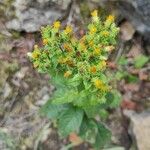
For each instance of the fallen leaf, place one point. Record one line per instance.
(112, 65)
(128, 104)
(75, 139)
(143, 76)
(131, 87)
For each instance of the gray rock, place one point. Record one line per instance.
(139, 128)
(138, 12)
(31, 15)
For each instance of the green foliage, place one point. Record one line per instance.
(125, 68)
(70, 121)
(95, 133)
(140, 61)
(78, 70)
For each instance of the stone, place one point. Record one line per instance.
(137, 11)
(139, 128)
(31, 15)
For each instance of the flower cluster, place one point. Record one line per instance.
(77, 66)
(81, 60)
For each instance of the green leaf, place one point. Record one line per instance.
(75, 81)
(103, 136)
(65, 96)
(132, 79)
(52, 111)
(123, 61)
(113, 98)
(103, 114)
(70, 121)
(140, 61)
(59, 81)
(88, 130)
(91, 111)
(120, 74)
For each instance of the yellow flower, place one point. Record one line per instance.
(83, 47)
(96, 51)
(91, 43)
(68, 29)
(110, 18)
(93, 30)
(70, 63)
(105, 33)
(93, 69)
(62, 60)
(35, 54)
(67, 47)
(67, 74)
(100, 85)
(45, 41)
(82, 40)
(56, 24)
(94, 13)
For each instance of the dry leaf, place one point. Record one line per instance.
(75, 139)
(131, 87)
(143, 76)
(128, 104)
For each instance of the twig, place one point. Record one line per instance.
(120, 51)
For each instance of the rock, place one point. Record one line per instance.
(127, 31)
(31, 15)
(137, 11)
(139, 128)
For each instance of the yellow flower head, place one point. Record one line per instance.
(94, 13)
(83, 46)
(98, 83)
(68, 29)
(62, 60)
(93, 30)
(110, 18)
(91, 43)
(35, 54)
(45, 41)
(105, 33)
(56, 24)
(93, 69)
(67, 47)
(96, 51)
(67, 74)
